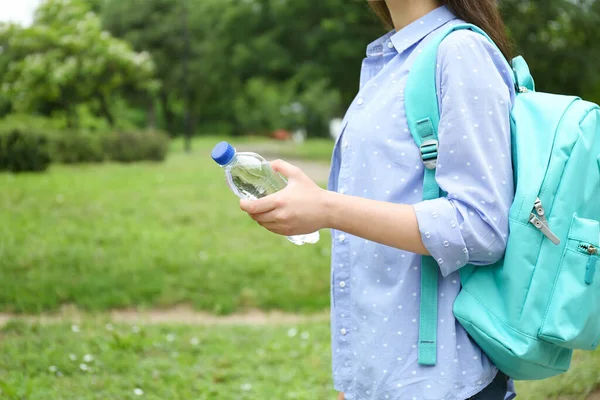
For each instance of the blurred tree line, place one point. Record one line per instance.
(242, 66)
(66, 65)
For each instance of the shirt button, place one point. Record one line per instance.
(360, 102)
(342, 284)
(345, 144)
(390, 45)
(343, 331)
(341, 238)
(342, 190)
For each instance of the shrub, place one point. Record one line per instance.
(64, 146)
(23, 150)
(28, 122)
(219, 128)
(265, 106)
(25, 137)
(73, 148)
(136, 146)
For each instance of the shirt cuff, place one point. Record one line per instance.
(441, 234)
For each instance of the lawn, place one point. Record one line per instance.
(157, 235)
(582, 379)
(147, 235)
(94, 360)
(99, 360)
(313, 150)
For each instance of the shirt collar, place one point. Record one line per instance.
(412, 33)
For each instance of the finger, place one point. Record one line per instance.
(286, 169)
(273, 227)
(259, 206)
(245, 205)
(268, 216)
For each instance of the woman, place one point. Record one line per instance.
(381, 226)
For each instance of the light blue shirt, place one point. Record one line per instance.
(375, 288)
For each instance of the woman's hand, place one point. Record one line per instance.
(298, 209)
(303, 207)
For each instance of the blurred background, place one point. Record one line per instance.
(127, 269)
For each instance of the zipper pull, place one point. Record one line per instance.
(539, 210)
(537, 222)
(590, 270)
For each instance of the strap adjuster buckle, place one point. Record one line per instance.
(429, 153)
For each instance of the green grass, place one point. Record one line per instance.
(312, 150)
(147, 235)
(185, 362)
(156, 235)
(582, 379)
(165, 362)
(315, 149)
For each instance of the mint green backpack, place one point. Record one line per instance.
(529, 311)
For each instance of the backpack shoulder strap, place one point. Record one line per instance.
(423, 116)
(421, 102)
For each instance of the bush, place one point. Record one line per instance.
(265, 106)
(34, 123)
(218, 128)
(22, 150)
(136, 146)
(74, 148)
(64, 146)
(71, 147)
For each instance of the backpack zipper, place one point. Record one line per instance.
(589, 249)
(590, 269)
(539, 220)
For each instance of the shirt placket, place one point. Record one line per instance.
(341, 283)
(343, 249)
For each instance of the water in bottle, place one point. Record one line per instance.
(251, 177)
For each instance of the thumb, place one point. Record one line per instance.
(286, 169)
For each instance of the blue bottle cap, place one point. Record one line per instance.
(222, 153)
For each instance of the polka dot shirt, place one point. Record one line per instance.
(375, 289)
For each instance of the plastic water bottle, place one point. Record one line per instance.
(251, 177)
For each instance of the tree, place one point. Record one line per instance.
(152, 26)
(65, 59)
(234, 42)
(561, 42)
(249, 60)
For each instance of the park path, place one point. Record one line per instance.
(318, 172)
(177, 315)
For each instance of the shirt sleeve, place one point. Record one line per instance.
(475, 92)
